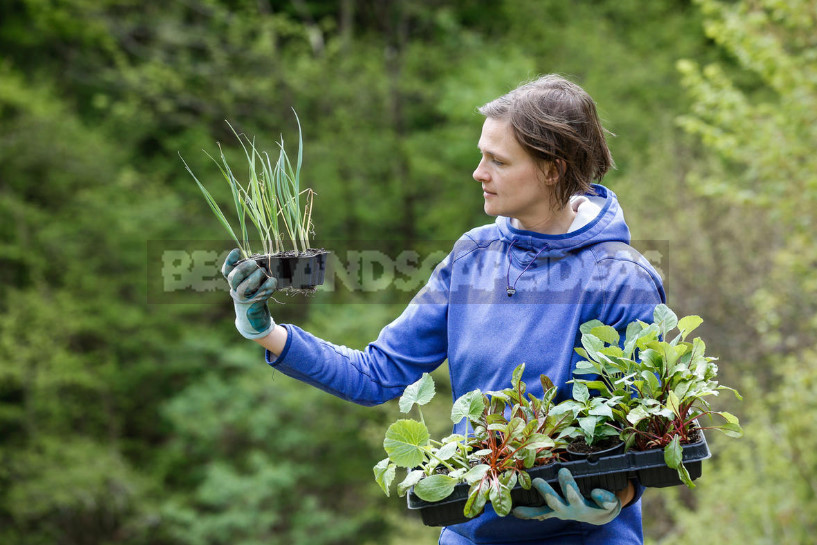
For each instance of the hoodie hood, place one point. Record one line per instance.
(607, 226)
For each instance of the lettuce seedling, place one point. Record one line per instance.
(409, 445)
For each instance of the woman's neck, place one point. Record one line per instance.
(556, 223)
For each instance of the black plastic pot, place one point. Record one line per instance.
(610, 472)
(302, 271)
(579, 450)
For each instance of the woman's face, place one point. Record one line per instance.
(513, 185)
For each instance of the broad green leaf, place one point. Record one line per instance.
(673, 403)
(592, 346)
(470, 406)
(516, 378)
(588, 425)
(730, 430)
(669, 414)
(546, 383)
(602, 409)
(586, 368)
(567, 406)
(673, 453)
(495, 419)
(421, 392)
(539, 440)
(665, 319)
(500, 496)
(477, 497)
(681, 389)
(384, 474)
(502, 396)
(457, 473)
(435, 487)
(651, 380)
(587, 327)
(606, 431)
(673, 457)
(447, 451)
(597, 385)
(528, 457)
(582, 352)
(688, 324)
(404, 441)
(674, 353)
(732, 427)
(411, 479)
(646, 337)
(524, 480)
(606, 333)
(508, 479)
(737, 394)
(631, 336)
(476, 473)
(684, 475)
(580, 392)
(516, 426)
(530, 428)
(698, 347)
(636, 415)
(729, 417)
(613, 351)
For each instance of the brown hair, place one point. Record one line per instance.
(556, 122)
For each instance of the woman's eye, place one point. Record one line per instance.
(497, 162)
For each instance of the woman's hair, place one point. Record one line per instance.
(556, 122)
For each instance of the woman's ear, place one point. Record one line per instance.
(554, 170)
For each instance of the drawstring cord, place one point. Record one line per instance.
(512, 289)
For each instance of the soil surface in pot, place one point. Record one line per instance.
(309, 252)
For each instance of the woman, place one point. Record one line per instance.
(514, 291)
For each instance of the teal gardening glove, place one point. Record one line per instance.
(250, 289)
(604, 507)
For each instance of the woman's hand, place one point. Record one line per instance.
(250, 288)
(604, 507)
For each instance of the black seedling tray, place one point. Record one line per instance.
(611, 473)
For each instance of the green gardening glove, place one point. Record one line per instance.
(250, 288)
(604, 507)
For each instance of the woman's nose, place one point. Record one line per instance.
(479, 174)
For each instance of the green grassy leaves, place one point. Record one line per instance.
(270, 198)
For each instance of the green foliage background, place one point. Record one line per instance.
(128, 422)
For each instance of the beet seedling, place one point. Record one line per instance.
(656, 388)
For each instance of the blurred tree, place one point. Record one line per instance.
(764, 489)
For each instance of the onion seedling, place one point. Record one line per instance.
(270, 200)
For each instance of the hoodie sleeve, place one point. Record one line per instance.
(631, 288)
(416, 342)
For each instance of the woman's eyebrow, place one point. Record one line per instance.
(492, 153)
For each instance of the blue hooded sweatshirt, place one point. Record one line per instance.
(465, 314)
